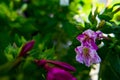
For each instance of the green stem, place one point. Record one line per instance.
(10, 65)
(113, 71)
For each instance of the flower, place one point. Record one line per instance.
(88, 38)
(27, 47)
(86, 35)
(87, 55)
(60, 70)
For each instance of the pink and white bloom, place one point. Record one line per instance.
(88, 38)
(87, 55)
(86, 35)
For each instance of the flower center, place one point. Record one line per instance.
(86, 51)
(87, 38)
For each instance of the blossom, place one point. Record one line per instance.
(88, 38)
(87, 52)
(87, 55)
(27, 47)
(86, 35)
(60, 70)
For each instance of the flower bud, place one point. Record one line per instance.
(27, 47)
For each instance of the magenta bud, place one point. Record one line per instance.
(60, 70)
(40, 62)
(59, 74)
(27, 47)
(62, 65)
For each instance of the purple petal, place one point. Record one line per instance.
(93, 45)
(87, 55)
(99, 34)
(96, 59)
(79, 56)
(90, 43)
(87, 61)
(91, 34)
(80, 37)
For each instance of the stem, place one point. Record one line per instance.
(10, 65)
(17, 62)
(118, 9)
(113, 71)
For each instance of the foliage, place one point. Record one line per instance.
(54, 29)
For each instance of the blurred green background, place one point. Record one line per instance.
(54, 25)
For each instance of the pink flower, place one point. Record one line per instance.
(87, 55)
(60, 70)
(88, 34)
(88, 38)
